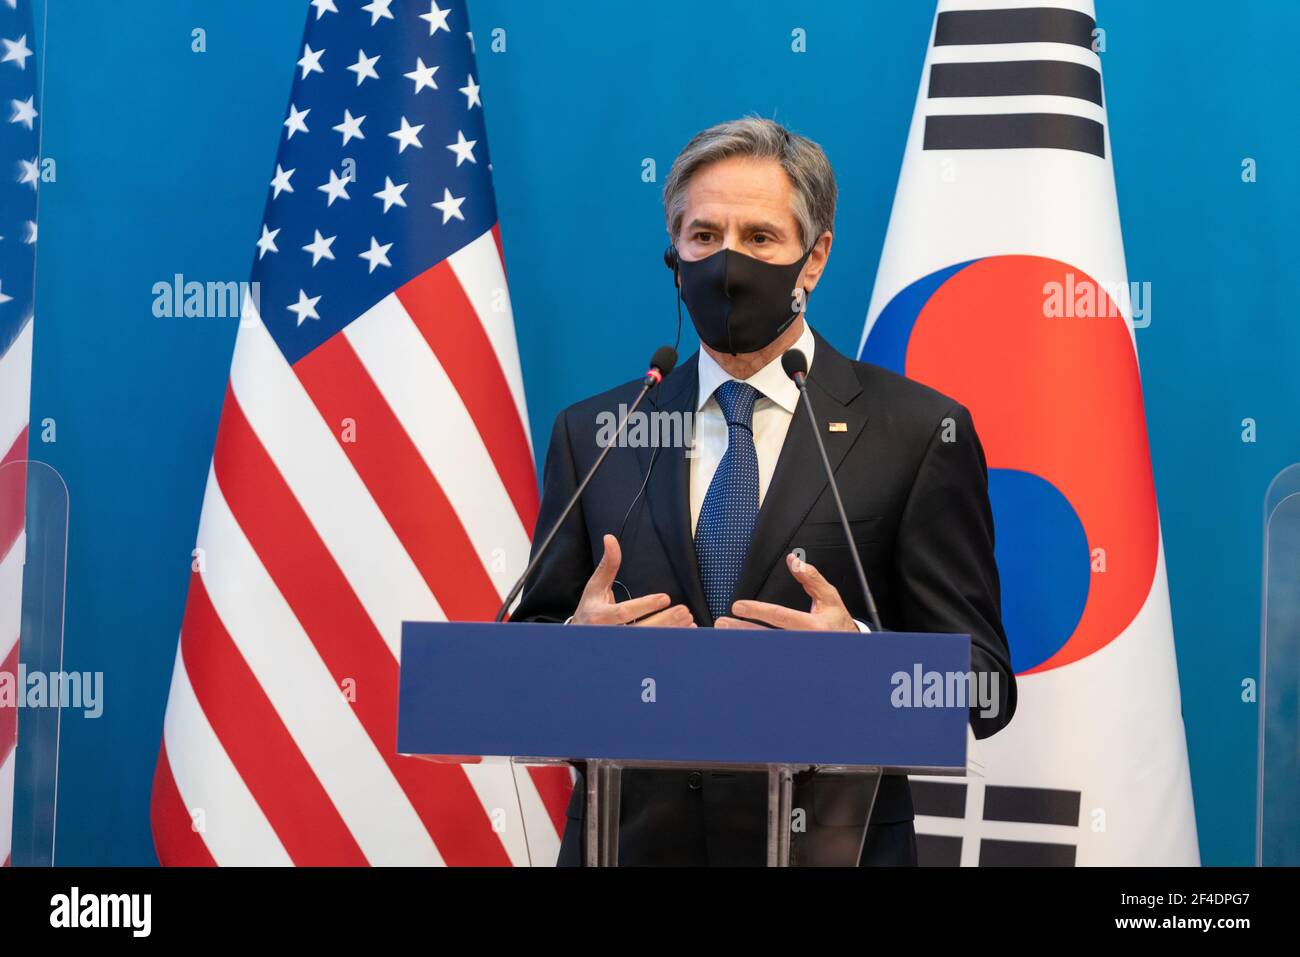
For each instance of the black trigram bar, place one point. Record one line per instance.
(1029, 25)
(1031, 805)
(938, 850)
(1002, 131)
(1016, 78)
(1025, 854)
(939, 798)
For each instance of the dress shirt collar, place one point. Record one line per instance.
(770, 381)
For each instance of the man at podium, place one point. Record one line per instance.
(738, 528)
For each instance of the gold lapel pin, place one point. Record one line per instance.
(838, 427)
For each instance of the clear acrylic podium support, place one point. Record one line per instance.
(37, 491)
(1277, 840)
(786, 845)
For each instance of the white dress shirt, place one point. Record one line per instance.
(774, 409)
(778, 398)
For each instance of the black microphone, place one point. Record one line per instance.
(795, 364)
(661, 365)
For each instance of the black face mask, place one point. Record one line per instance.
(738, 303)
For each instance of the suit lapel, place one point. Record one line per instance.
(799, 478)
(668, 492)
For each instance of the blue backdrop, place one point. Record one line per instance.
(163, 158)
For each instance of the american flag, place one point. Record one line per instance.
(19, 149)
(372, 465)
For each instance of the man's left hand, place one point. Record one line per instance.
(827, 613)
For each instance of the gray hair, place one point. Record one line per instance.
(803, 161)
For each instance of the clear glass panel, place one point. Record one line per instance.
(37, 686)
(1278, 833)
(33, 509)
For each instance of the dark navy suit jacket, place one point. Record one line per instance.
(915, 486)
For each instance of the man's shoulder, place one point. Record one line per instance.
(608, 401)
(904, 400)
(617, 399)
(907, 412)
(897, 392)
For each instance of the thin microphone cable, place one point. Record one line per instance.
(523, 821)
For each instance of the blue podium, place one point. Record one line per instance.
(791, 704)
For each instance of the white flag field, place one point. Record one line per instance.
(1003, 284)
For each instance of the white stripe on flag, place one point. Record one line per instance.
(421, 396)
(288, 667)
(997, 830)
(1081, 6)
(235, 830)
(1000, 52)
(11, 594)
(337, 502)
(480, 272)
(988, 105)
(15, 387)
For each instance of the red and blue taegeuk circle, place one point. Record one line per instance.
(1057, 401)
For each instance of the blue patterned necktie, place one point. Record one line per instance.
(730, 510)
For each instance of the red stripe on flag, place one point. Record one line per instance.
(9, 713)
(13, 493)
(17, 449)
(344, 635)
(174, 838)
(445, 317)
(554, 786)
(278, 776)
(398, 479)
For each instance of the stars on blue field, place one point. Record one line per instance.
(383, 168)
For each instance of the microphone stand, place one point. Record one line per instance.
(652, 379)
(800, 379)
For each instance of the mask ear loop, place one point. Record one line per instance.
(802, 294)
(677, 281)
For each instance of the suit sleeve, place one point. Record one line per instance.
(949, 579)
(553, 589)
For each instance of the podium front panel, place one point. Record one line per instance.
(692, 695)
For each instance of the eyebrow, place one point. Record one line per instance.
(704, 224)
(757, 226)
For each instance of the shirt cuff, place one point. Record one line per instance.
(862, 627)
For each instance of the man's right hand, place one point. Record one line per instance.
(598, 607)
